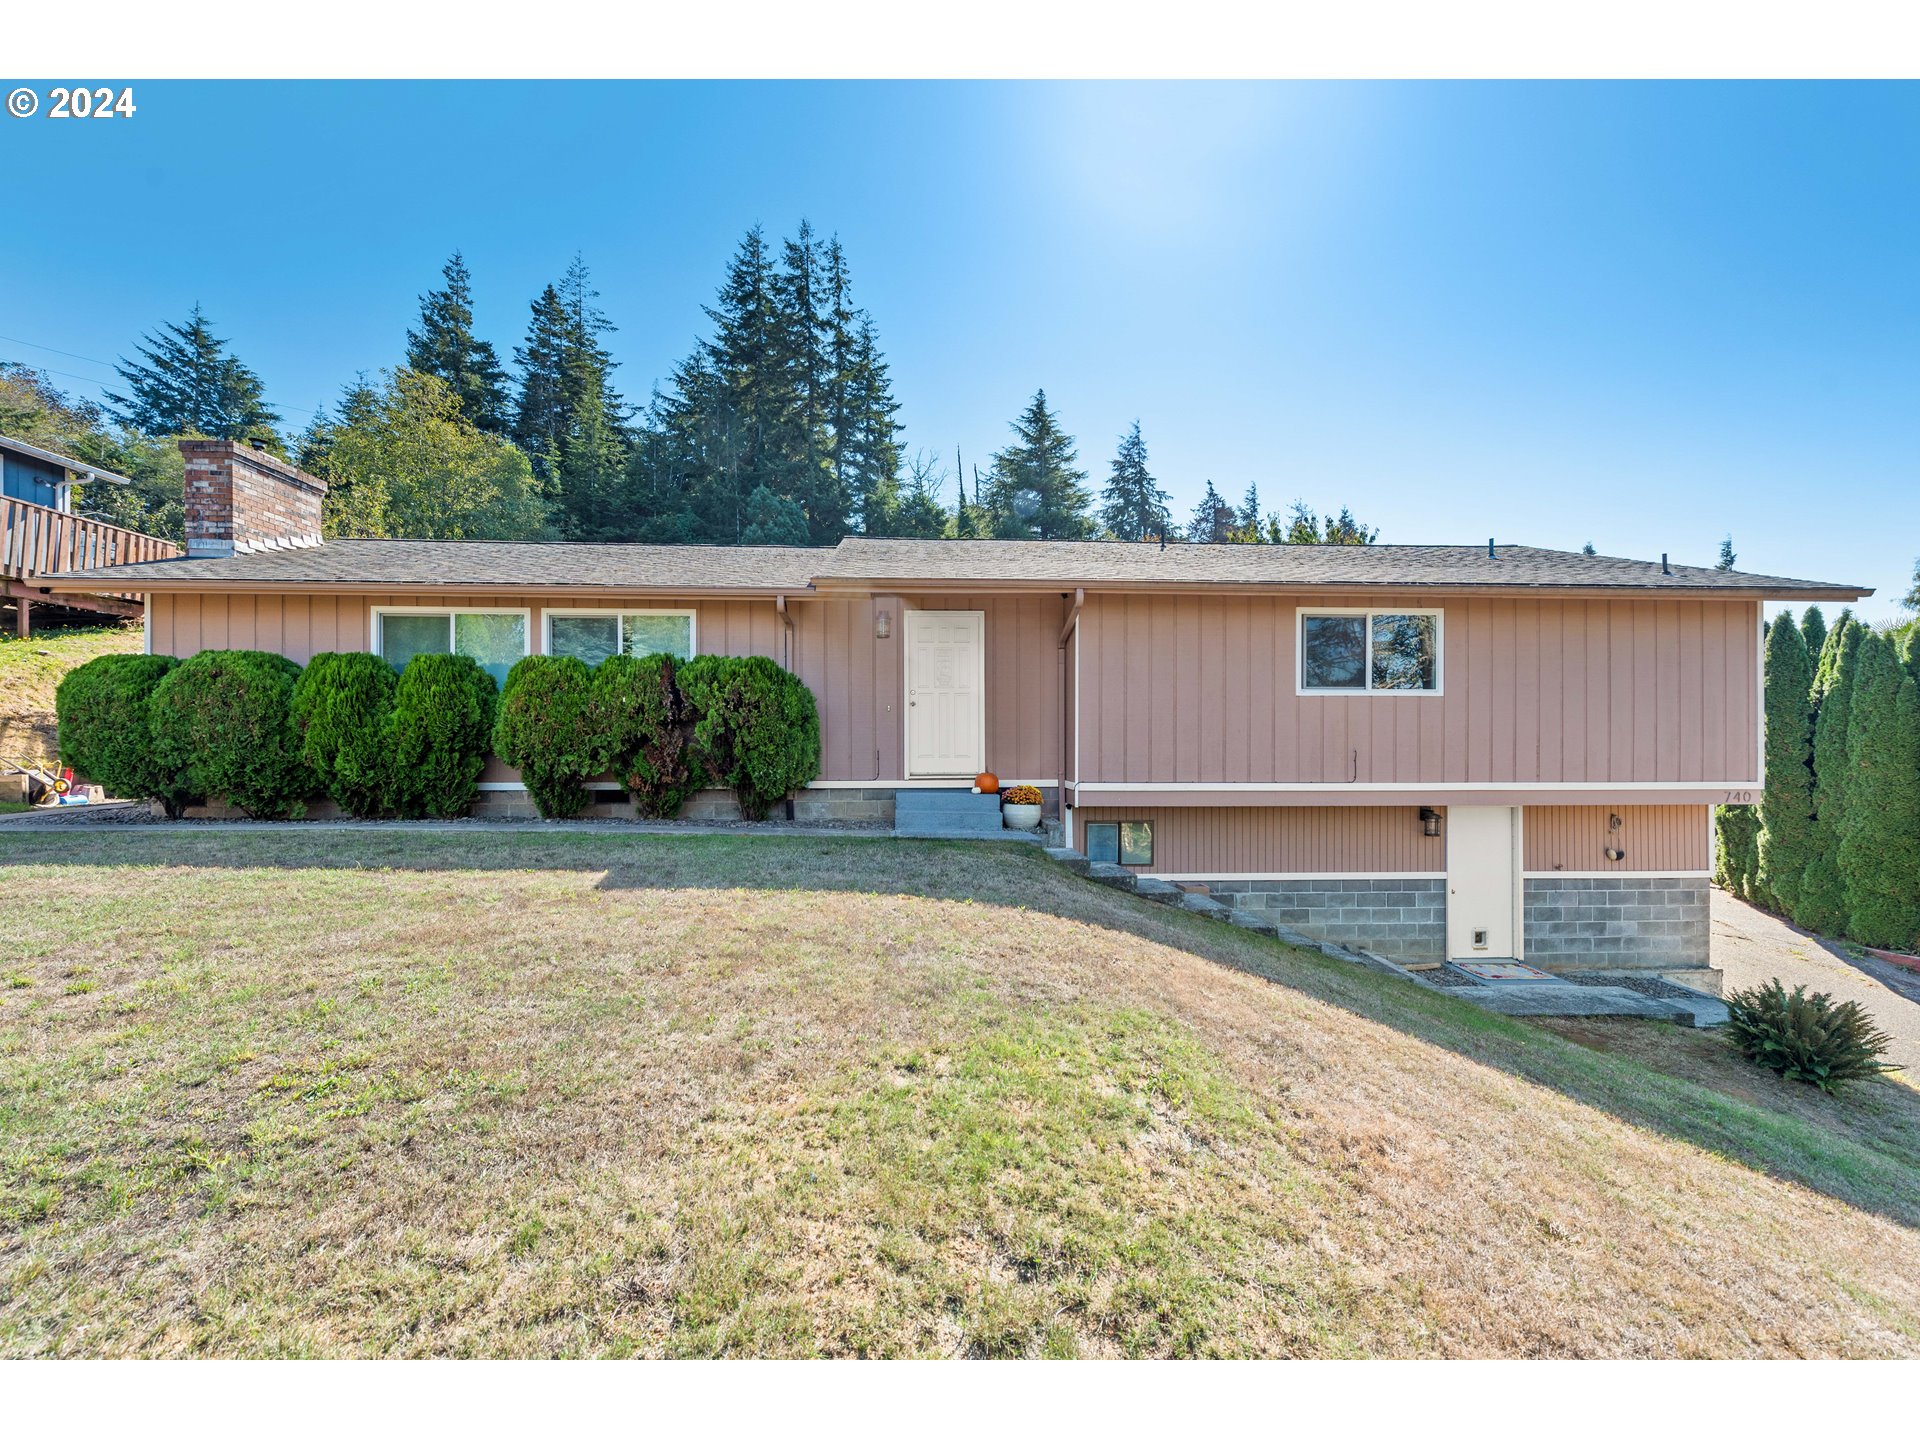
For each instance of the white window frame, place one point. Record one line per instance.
(1304, 613)
(692, 617)
(379, 612)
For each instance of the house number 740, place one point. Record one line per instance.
(1737, 797)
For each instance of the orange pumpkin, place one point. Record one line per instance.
(987, 783)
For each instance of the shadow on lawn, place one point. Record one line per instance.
(1861, 1148)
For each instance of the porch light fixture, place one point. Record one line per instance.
(1429, 820)
(882, 625)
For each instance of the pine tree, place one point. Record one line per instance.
(1213, 519)
(1727, 557)
(540, 421)
(565, 369)
(1133, 506)
(1823, 905)
(1813, 629)
(1911, 600)
(970, 520)
(1036, 490)
(1299, 526)
(1910, 651)
(1736, 831)
(799, 453)
(773, 520)
(1343, 529)
(190, 385)
(1587, 549)
(591, 465)
(1786, 804)
(446, 346)
(873, 449)
(1246, 521)
(1879, 853)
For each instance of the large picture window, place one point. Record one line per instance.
(595, 635)
(1358, 652)
(495, 639)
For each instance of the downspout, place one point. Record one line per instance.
(1066, 631)
(786, 652)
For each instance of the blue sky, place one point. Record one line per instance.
(1642, 315)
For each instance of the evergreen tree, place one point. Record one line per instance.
(34, 409)
(190, 385)
(1911, 600)
(800, 451)
(1879, 854)
(1910, 651)
(1736, 831)
(1300, 526)
(1587, 549)
(1786, 804)
(773, 520)
(564, 370)
(1343, 529)
(1213, 519)
(1133, 506)
(1727, 557)
(1036, 490)
(1813, 629)
(592, 471)
(446, 346)
(970, 521)
(1246, 521)
(873, 450)
(540, 420)
(1823, 905)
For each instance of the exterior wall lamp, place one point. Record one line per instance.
(1429, 820)
(882, 625)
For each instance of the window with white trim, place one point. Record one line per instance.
(495, 639)
(594, 635)
(1121, 842)
(1359, 652)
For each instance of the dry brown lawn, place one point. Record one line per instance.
(386, 1093)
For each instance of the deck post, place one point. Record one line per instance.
(24, 624)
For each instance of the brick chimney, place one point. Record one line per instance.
(240, 499)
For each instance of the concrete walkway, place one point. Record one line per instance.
(1753, 947)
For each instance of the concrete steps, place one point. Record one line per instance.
(950, 815)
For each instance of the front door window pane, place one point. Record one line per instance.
(404, 636)
(591, 638)
(1333, 652)
(1403, 652)
(659, 635)
(495, 642)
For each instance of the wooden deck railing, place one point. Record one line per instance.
(36, 540)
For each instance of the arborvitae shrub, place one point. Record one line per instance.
(644, 727)
(755, 730)
(104, 732)
(1880, 827)
(1786, 804)
(219, 721)
(1813, 630)
(440, 728)
(1806, 1037)
(342, 710)
(546, 730)
(1736, 831)
(1823, 903)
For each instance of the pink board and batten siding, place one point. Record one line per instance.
(856, 677)
(1201, 689)
(1219, 842)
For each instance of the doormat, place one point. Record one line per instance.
(1494, 971)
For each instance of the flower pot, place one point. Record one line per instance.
(1021, 817)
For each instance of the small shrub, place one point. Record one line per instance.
(441, 725)
(644, 728)
(546, 730)
(220, 722)
(341, 711)
(1021, 795)
(1806, 1037)
(755, 730)
(104, 729)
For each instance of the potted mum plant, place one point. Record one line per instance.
(1020, 807)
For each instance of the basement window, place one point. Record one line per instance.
(495, 639)
(1361, 652)
(1123, 842)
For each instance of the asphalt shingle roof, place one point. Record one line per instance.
(858, 562)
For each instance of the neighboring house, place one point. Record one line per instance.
(1429, 750)
(40, 535)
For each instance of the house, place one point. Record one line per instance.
(41, 535)
(1430, 750)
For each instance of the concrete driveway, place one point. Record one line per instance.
(1753, 947)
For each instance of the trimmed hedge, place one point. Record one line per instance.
(645, 732)
(342, 711)
(220, 723)
(104, 729)
(757, 731)
(441, 726)
(546, 731)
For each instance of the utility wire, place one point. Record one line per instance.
(108, 364)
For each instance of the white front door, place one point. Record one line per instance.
(1483, 850)
(946, 692)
